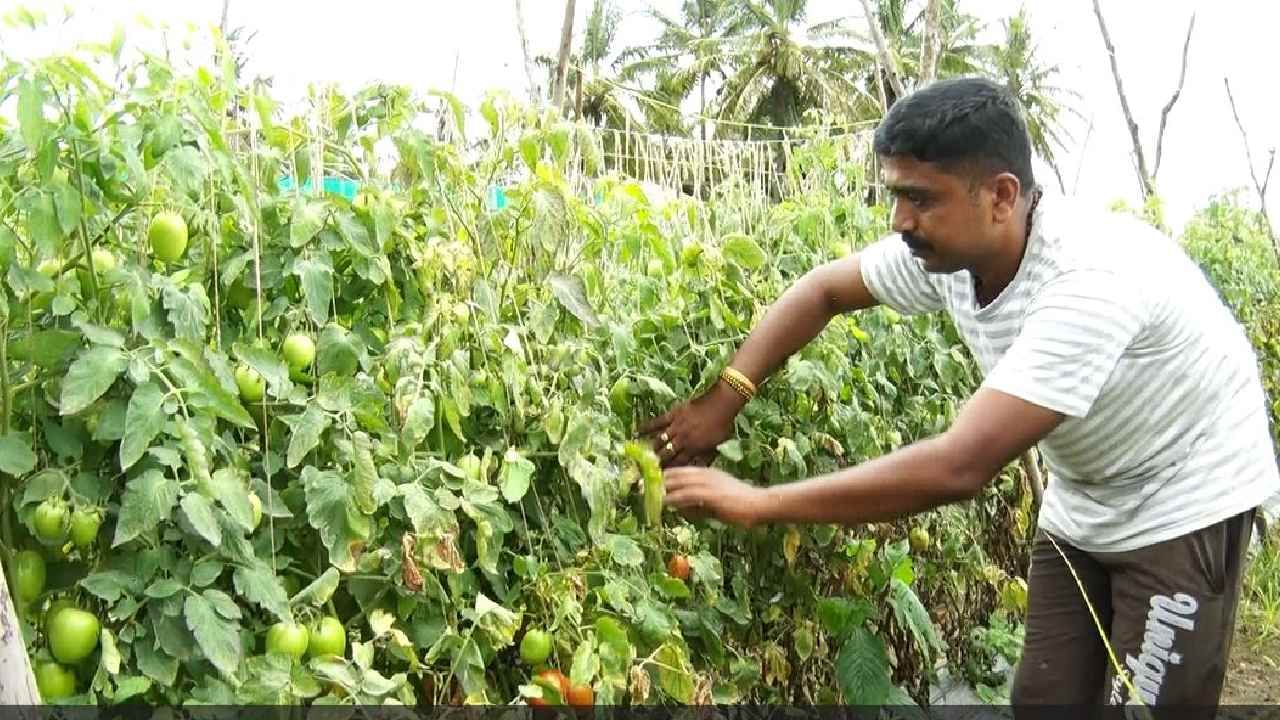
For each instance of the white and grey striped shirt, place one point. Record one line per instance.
(1112, 324)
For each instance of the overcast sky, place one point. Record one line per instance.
(423, 43)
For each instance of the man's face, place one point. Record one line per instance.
(942, 218)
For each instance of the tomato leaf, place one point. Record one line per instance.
(319, 591)
(675, 676)
(143, 421)
(912, 615)
(862, 669)
(193, 372)
(188, 310)
(308, 218)
(219, 639)
(516, 473)
(109, 585)
(317, 287)
(328, 500)
(91, 375)
(744, 251)
(48, 349)
(16, 456)
(223, 603)
(624, 550)
(199, 512)
(307, 429)
(499, 623)
(572, 294)
(420, 419)
(259, 585)
(31, 114)
(148, 500)
(231, 491)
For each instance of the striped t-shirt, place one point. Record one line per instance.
(1112, 324)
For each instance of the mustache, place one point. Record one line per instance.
(915, 242)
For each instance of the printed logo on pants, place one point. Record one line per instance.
(1158, 651)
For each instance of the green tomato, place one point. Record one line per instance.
(103, 260)
(84, 526)
(535, 647)
(73, 635)
(168, 236)
(919, 538)
(50, 522)
(299, 351)
(256, 503)
(327, 637)
(250, 382)
(29, 575)
(290, 639)
(54, 681)
(56, 607)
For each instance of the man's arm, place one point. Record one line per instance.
(801, 313)
(991, 431)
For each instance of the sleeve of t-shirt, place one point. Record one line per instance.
(895, 278)
(1073, 335)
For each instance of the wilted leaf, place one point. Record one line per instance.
(572, 294)
(675, 675)
(498, 622)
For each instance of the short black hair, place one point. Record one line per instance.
(966, 122)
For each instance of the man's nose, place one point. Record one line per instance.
(903, 219)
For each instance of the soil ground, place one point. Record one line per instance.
(1253, 674)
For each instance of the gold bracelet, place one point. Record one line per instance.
(738, 382)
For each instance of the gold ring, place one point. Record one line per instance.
(670, 447)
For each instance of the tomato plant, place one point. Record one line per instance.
(410, 416)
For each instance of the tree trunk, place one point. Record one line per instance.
(1259, 184)
(17, 683)
(535, 95)
(932, 42)
(1145, 180)
(882, 48)
(562, 64)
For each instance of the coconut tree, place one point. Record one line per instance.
(783, 67)
(1015, 63)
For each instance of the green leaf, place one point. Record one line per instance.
(206, 572)
(624, 550)
(156, 665)
(47, 348)
(143, 421)
(308, 219)
(48, 483)
(307, 429)
(31, 114)
(219, 639)
(163, 588)
(199, 512)
(336, 352)
(671, 587)
(455, 105)
(188, 309)
(319, 591)
(572, 294)
(585, 663)
(744, 251)
(194, 374)
(912, 615)
(420, 419)
(109, 585)
(148, 501)
(317, 287)
(223, 603)
(841, 616)
(332, 512)
(803, 640)
(16, 455)
(91, 375)
(516, 473)
(231, 491)
(675, 675)
(862, 669)
(259, 585)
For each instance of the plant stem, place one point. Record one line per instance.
(84, 234)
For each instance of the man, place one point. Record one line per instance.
(1100, 341)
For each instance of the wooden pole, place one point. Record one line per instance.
(17, 683)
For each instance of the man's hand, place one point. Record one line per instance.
(690, 432)
(703, 492)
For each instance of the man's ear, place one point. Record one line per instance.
(1005, 191)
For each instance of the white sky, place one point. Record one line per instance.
(418, 43)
